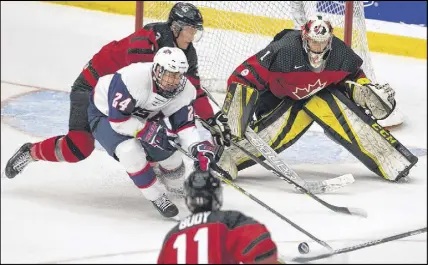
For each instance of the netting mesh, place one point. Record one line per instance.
(236, 30)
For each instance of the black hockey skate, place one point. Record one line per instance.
(165, 206)
(18, 161)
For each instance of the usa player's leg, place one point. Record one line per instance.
(172, 173)
(361, 135)
(168, 166)
(77, 145)
(131, 154)
(279, 122)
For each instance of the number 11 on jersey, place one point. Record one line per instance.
(198, 246)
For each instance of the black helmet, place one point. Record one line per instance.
(186, 14)
(203, 192)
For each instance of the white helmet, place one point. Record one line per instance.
(317, 34)
(169, 66)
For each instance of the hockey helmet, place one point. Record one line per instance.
(317, 35)
(186, 15)
(169, 67)
(203, 192)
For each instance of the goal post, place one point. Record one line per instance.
(139, 14)
(349, 7)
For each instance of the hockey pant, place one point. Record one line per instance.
(342, 121)
(135, 158)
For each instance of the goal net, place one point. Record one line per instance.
(236, 30)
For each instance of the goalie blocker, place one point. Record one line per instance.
(280, 123)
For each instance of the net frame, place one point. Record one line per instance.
(352, 31)
(353, 34)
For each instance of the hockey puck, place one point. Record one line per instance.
(303, 248)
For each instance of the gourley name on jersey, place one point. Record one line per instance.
(304, 92)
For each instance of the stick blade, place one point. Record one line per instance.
(339, 182)
(329, 185)
(358, 212)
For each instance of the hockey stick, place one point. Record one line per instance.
(279, 165)
(224, 176)
(287, 173)
(314, 187)
(360, 246)
(305, 190)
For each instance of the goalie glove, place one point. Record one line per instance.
(378, 99)
(221, 133)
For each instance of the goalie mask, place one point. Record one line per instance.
(203, 192)
(169, 66)
(317, 35)
(186, 18)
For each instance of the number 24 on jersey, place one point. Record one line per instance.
(122, 103)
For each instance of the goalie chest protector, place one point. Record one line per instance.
(290, 73)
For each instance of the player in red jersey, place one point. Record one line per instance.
(184, 25)
(212, 236)
(310, 75)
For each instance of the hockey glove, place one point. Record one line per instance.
(204, 152)
(222, 134)
(156, 135)
(378, 99)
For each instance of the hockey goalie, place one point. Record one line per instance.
(306, 76)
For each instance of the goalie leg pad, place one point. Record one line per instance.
(369, 142)
(228, 163)
(239, 107)
(280, 128)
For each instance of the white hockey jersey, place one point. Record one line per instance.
(128, 99)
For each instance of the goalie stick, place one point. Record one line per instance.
(224, 176)
(360, 246)
(341, 182)
(314, 187)
(280, 167)
(272, 157)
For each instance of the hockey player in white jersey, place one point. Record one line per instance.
(127, 114)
